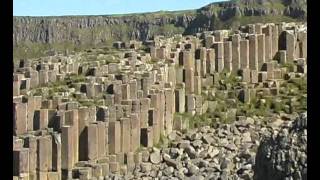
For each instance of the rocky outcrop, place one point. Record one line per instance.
(283, 155)
(99, 29)
(88, 29)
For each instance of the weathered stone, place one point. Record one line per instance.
(44, 146)
(253, 52)
(244, 55)
(268, 42)
(228, 56)
(261, 50)
(155, 157)
(125, 134)
(67, 148)
(219, 59)
(114, 137)
(236, 64)
(20, 161)
(20, 118)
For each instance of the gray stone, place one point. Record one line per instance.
(155, 157)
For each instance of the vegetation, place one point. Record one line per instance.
(163, 142)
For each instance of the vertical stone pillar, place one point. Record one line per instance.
(288, 43)
(44, 146)
(125, 88)
(145, 105)
(83, 122)
(197, 85)
(56, 152)
(236, 64)
(16, 88)
(191, 104)
(20, 161)
(180, 98)
(52, 77)
(218, 34)
(30, 115)
(189, 81)
(169, 109)
(153, 122)
(261, 50)
(92, 141)
(72, 119)
(203, 59)
(219, 58)
(43, 120)
(34, 78)
(209, 40)
(258, 28)
(268, 43)
(31, 144)
(133, 89)
(67, 148)
(135, 132)
(302, 41)
(227, 55)
(254, 76)
(245, 73)
(146, 83)
(20, 118)
(90, 92)
(162, 111)
(210, 61)
(179, 74)
(101, 142)
(197, 69)
(117, 92)
(172, 74)
(244, 49)
(43, 77)
(253, 52)
(125, 135)
(275, 40)
(114, 137)
(188, 59)
(251, 28)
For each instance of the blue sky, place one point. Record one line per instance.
(100, 7)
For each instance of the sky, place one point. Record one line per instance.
(100, 7)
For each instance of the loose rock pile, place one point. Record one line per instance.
(227, 152)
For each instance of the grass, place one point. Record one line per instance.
(289, 66)
(163, 142)
(88, 103)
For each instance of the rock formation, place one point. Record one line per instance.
(283, 154)
(183, 107)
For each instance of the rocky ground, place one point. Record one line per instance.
(228, 151)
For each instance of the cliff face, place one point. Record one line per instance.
(99, 29)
